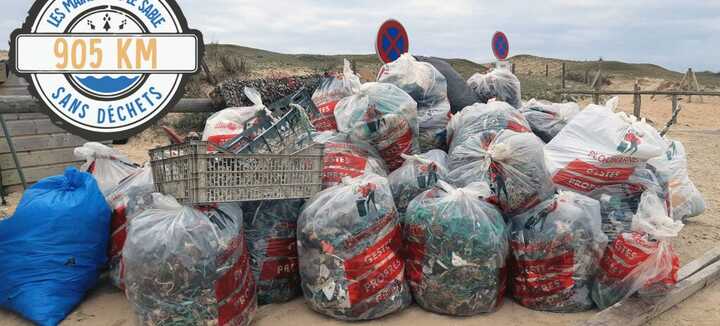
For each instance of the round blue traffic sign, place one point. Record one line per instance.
(500, 46)
(392, 41)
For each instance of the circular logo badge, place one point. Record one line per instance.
(106, 69)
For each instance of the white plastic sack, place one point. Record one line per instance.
(484, 119)
(456, 248)
(643, 260)
(349, 242)
(557, 247)
(384, 116)
(499, 84)
(187, 266)
(599, 148)
(229, 123)
(136, 185)
(346, 157)
(672, 167)
(418, 173)
(329, 93)
(548, 119)
(108, 165)
(512, 163)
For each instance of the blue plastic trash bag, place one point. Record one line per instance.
(54, 247)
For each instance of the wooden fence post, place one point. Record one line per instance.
(596, 98)
(547, 70)
(674, 103)
(637, 99)
(562, 77)
(512, 68)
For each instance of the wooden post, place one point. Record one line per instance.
(547, 70)
(596, 98)
(687, 79)
(562, 77)
(512, 68)
(637, 99)
(674, 103)
(587, 77)
(697, 86)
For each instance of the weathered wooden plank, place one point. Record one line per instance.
(28, 104)
(38, 158)
(26, 127)
(42, 142)
(710, 257)
(34, 174)
(636, 311)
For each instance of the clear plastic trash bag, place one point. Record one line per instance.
(108, 165)
(512, 163)
(499, 84)
(599, 147)
(347, 157)
(672, 168)
(548, 119)
(331, 90)
(384, 116)
(642, 260)
(428, 87)
(229, 123)
(53, 249)
(271, 230)
(557, 247)
(417, 174)
(136, 185)
(349, 242)
(188, 266)
(484, 119)
(456, 247)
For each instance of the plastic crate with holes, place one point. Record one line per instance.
(195, 173)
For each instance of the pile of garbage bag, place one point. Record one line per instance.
(499, 84)
(456, 247)
(548, 119)
(54, 247)
(108, 165)
(428, 87)
(231, 122)
(332, 89)
(349, 242)
(384, 116)
(347, 157)
(557, 247)
(270, 228)
(642, 260)
(418, 173)
(512, 163)
(672, 168)
(188, 266)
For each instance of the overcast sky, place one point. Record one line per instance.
(672, 33)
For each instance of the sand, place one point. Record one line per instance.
(107, 306)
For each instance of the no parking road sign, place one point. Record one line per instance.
(500, 46)
(392, 41)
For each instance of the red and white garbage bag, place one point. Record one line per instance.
(556, 251)
(229, 123)
(418, 173)
(548, 119)
(486, 120)
(640, 261)
(349, 243)
(499, 84)
(108, 165)
(331, 90)
(672, 168)
(347, 157)
(384, 116)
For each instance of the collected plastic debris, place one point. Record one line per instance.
(672, 168)
(54, 247)
(642, 260)
(512, 163)
(332, 89)
(232, 91)
(345, 157)
(499, 84)
(484, 119)
(384, 116)
(456, 248)
(227, 124)
(108, 165)
(417, 174)
(428, 87)
(599, 148)
(349, 242)
(270, 227)
(547, 119)
(557, 247)
(184, 266)
(136, 185)
(459, 93)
